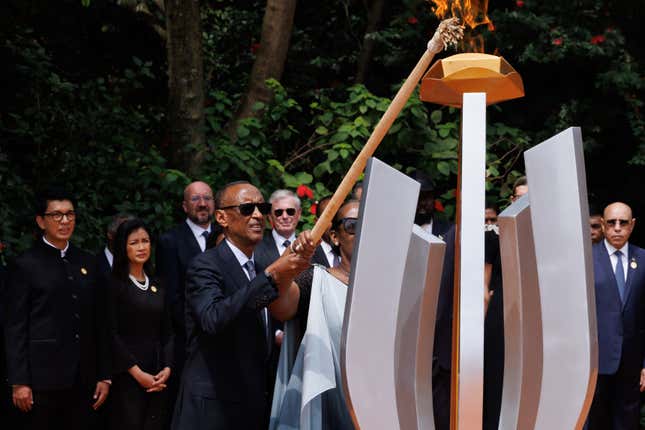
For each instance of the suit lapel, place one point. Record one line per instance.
(605, 263)
(233, 269)
(190, 240)
(631, 272)
(271, 247)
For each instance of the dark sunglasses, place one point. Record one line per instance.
(247, 209)
(349, 224)
(289, 211)
(622, 222)
(493, 219)
(596, 226)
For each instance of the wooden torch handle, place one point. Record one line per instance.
(373, 142)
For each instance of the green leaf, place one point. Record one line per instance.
(435, 116)
(242, 131)
(322, 130)
(444, 168)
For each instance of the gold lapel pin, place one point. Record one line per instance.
(83, 270)
(153, 289)
(633, 264)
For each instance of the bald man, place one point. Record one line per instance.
(619, 278)
(175, 249)
(224, 384)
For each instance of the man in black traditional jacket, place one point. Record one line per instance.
(58, 357)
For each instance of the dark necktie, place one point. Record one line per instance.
(250, 268)
(205, 235)
(286, 243)
(620, 275)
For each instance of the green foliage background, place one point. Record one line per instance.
(85, 103)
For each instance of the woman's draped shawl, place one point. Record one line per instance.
(308, 394)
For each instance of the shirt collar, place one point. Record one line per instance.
(197, 230)
(611, 250)
(326, 247)
(279, 240)
(239, 255)
(108, 255)
(62, 251)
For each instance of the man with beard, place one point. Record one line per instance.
(425, 216)
(224, 384)
(175, 249)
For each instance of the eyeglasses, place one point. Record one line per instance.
(622, 222)
(289, 211)
(247, 209)
(58, 216)
(197, 198)
(349, 224)
(595, 226)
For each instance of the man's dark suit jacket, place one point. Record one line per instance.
(621, 327)
(440, 227)
(175, 250)
(267, 252)
(224, 380)
(103, 265)
(56, 329)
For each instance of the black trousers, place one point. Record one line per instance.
(616, 402)
(68, 409)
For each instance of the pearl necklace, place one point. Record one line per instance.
(142, 287)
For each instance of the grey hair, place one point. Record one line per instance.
(283, 194)
(117, 220)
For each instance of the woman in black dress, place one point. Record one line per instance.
(142, 341)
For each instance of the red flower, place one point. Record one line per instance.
(557, 41)
(519, 3)
(314, 209)
(413, 20)
(438, 206)
(255, 47)
(304, 191)
(598, 39)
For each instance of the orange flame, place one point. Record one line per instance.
(472, 13)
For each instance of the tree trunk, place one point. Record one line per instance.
(185, 83)
(374, 14)
(271, 56)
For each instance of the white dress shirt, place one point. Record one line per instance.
(329, 253)
(428, 227)
(612, 256)
(62, 251)
(109, 256)
(242, 259)
(198, 231)
(279, 240)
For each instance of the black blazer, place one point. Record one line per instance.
(267, 252)
(175, 250)
(440, 226)
(56, 320)
(224, 381)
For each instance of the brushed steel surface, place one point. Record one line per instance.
(415, 330)
(470, 260)
(368, 359)
(522, 319)
(560, 219)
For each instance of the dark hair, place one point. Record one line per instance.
(121, 265)
(117, 220)
(52, 193)
(320, 203)
(220, 193)
(493, 206)
(519, 182)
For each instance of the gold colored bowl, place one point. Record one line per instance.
(448, 79)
